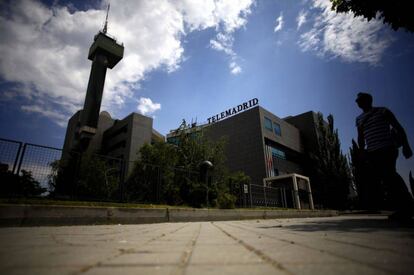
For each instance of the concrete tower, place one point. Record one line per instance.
(105, 52)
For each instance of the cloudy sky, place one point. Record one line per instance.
(192, 59)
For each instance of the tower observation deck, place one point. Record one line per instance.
(105, 52)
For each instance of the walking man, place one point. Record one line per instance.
(379, 136)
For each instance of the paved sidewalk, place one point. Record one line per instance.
(336, 245)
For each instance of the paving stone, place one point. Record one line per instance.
(223, 254)
(337, 245)
(327, 268)
(131, 270)
(236, 269)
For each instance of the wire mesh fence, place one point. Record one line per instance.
(87, 177)
(38, 160)
(161, 184)
(9, 154)
(31, 170)
(34, 170)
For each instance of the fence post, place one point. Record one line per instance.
(17, 157)
(250, 193)
(264, 193)
(77, 174)
(122, 178)
(21, 160)
(158, 183)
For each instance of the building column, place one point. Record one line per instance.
(296, 192)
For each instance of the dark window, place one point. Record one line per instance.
(278, 153)
(173, 140)
(277, 129)
(118, 145)
(116, 132)
(268, 124)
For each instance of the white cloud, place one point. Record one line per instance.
(234, 17)
(224, 43)
(59, 118)
(44, 49)
(353, 39)
(147, 107)
(301, 19)
(279, 23)
(235, 68)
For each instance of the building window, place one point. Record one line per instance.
(173, 140)
(277, 129)
(278, 153)
(268, 124)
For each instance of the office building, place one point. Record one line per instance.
(259, 143)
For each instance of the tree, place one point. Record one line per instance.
(23, 185)
(360, 173)
(170, 173)
(98, 178)
(152, 179)
(236, 182)
(396, 13)
(331, 176)
(85, 176)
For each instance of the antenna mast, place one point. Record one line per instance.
(105, 28)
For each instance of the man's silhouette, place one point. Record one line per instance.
(379, 135)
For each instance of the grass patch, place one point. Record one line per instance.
(45, 201)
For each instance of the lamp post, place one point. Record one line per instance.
(204, 168)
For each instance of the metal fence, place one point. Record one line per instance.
(87, 177)
(31, 161)
(146, 182)
(96, 177)
(9, 153)
(265, 196)
(28, 170)
(38, 160)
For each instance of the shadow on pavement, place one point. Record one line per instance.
(350, 224)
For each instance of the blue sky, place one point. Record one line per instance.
(193, 59)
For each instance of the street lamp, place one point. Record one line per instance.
(204, 167)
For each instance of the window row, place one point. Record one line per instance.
(272, 126)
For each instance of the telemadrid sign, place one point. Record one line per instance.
(232, 111)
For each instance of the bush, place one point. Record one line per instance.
(226, 201)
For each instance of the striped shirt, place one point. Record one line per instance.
(376, 128)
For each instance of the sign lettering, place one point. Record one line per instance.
(232, 111)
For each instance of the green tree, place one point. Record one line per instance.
(396, 13)
(330, 176)
(98, 178)
(169, 173)
(153, 176)
(23, 185)
(53, 177)
(234, 188)
(86, 176)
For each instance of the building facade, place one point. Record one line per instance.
(261, 144)
(120, 139)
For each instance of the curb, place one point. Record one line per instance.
(37, 215)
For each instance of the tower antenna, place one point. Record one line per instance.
(105, 28)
